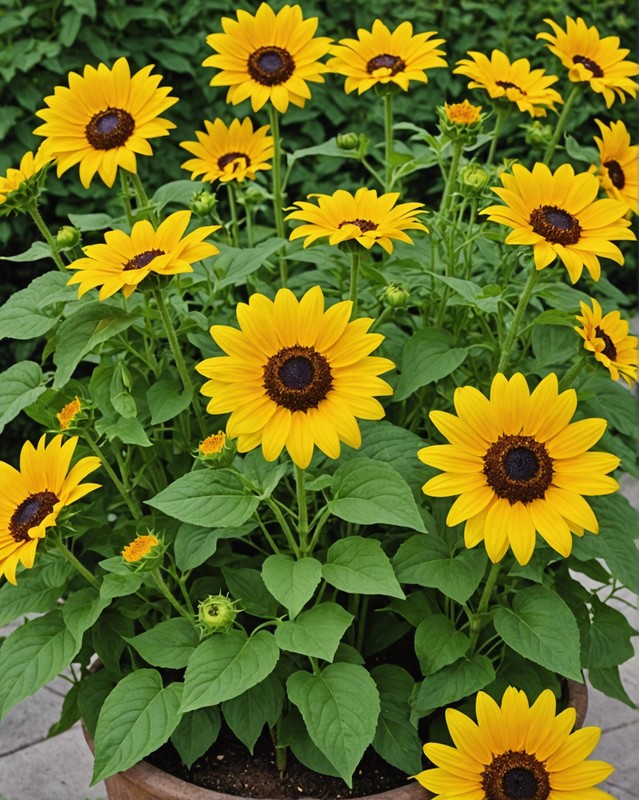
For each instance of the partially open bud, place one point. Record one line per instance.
(396, 295)
(460, 121)
(216, 614)
(67, 237)
(538, 134)
(203, 203)
(217, 450)
(348, 141)
(474, 177)
(144, 553)
(69, 414)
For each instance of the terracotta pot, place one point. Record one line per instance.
(146, 782)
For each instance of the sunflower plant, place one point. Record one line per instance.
(319, 476)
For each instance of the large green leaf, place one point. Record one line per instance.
(461, 679)
(32, 594)
(194, 544)
(610, 637)
(438, 643)
(23, 316)
(292, 583)
(316, 632)
(396, 738)
(196, 732)
(340, 707)
(236, 264)
(225, 665)
(22, 384)
(167, 398)
(247, 586)
(213, 499)
(82, 609)
(428, 357)
(360, 566)
(370, 492)
(541, 627)
(260, 705)
(168, 644)
(137, 717)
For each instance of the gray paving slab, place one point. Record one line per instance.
(28, 722)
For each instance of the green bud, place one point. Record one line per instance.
(216, 614)
(474, 177)
(396, 295)
(538, 134)
(67, 237)
(203, 203)
(348, 141)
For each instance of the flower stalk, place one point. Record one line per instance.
(277, 188)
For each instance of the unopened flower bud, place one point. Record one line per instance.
(348, 141)
(396, 295)
(67, 237)
(216, 614)
(217, 450)
(203, 203)
(473, 176)
(538, 134)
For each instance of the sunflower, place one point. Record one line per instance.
(364, 217)
(229, 154)
(124, 260)
(139, 548)
(516, 82)
(295, 376)
(590, 58)
(463, 114)
(382, 56)
(31, 165)
(515, 752)
(519, 466)
(69, 413)
(607, 338)
(557, 213)
(268, 57)
(103, 118)
(618, 159)
(32, 498)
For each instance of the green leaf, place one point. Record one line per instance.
(438, 643)
(474, 294)
(541, 627)
(428, 561)
(178, 192)
(292, 583)
(395, 446)
(194, 544)
(247, 714)
(396, 738)
(36, 252)
(225, 665)
(370, 492)
(316, 632)
(578, 152)
(108, 637)
(610, 639)
(428, 357)
(360, 566)
(620, 406)
(94, 690)
(264, 475)
(452, 683)
(91, 222)
(70, 713)
(116, 585)
(22, 384)
(340, 708)
(607, 680)
(210, 499)
(553, 344)
(21, 317)
(168, 644)
(329, 148)
(196, 732)
(128, 431)
(166, 398)
(32, 594)
(293, 734)
(81, 611)
(32, 656)
(236, 264)
(137, 717)
(247, 586)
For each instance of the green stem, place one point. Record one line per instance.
(37, 218)
(144, 204)
(277, 187)
(386, 314)
(123, 490)
(388, 140)
(355, 259)
(361, 623)
(576, 369)
(168, 594)
(177, 356)
(501, 116)
(267, 535)
(302, 507)
(126, 196)
(476, 624)
(519, 313)
(235, 231)
(284, 526)
(75, 563)
(452, 176)
(372, 171)
(561, 123)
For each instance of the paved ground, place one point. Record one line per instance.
(33, 767)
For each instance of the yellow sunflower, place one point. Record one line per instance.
(229, 154)
(295, 376)
(517, 82)
(139, 548)
(124, 260)
(268, 57)
(558, 215)
(30, 165)
(515, 752)
(590, 58)
(384, 56)
(607, 337)
(364, 217)
(618, 160)
(32, 498)
(519, 466)
(463, 114)
(103, 118)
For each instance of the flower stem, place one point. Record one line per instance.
(235, 232)
(168, 594)
(476, 625)
(126, 196)
(286, 530)
(501, 116)
(123, 490)
(302, 507)
(519, 313)
(576, 369)
(388, 139)
(144, 204)
(355, 259)
(451, 179)
(177, 355)
(76, 564)
(561, 123)
(37, 218)
(277, 187)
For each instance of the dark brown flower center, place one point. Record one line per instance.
(515, 776)
(509, 85)
(363, 224)
(596, 70)
(609, 350)
(229, 158)
(615, 173)
(386, 61)
(271, 66)
(110, 128)
(555, 225)
(518, 468)
(297, 378)
(30, 513)
(142, 259)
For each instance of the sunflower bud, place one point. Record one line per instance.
(473, 177)
(216, 614)
(67, 237)
(460, 121)
(144, 553)
(538, 134)
(70, 414)
(396, 295)
(203, 203)
(348, 141)
(217, 450)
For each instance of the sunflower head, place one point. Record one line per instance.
(588, 58)
(268, 57)
(125, 260)
(515, 752)
(32, 497)
(103, 119)
(20, 187)
(606, 337)
(618, 164)
(519, 466)
(68, 415)
(381, 57)
(144, 552)
(363, 217)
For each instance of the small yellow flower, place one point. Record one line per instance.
(140, 547)
(462, 113)
(69, 413)
(618, 172)
(606, 336)
(213, 444)
(30, 165)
